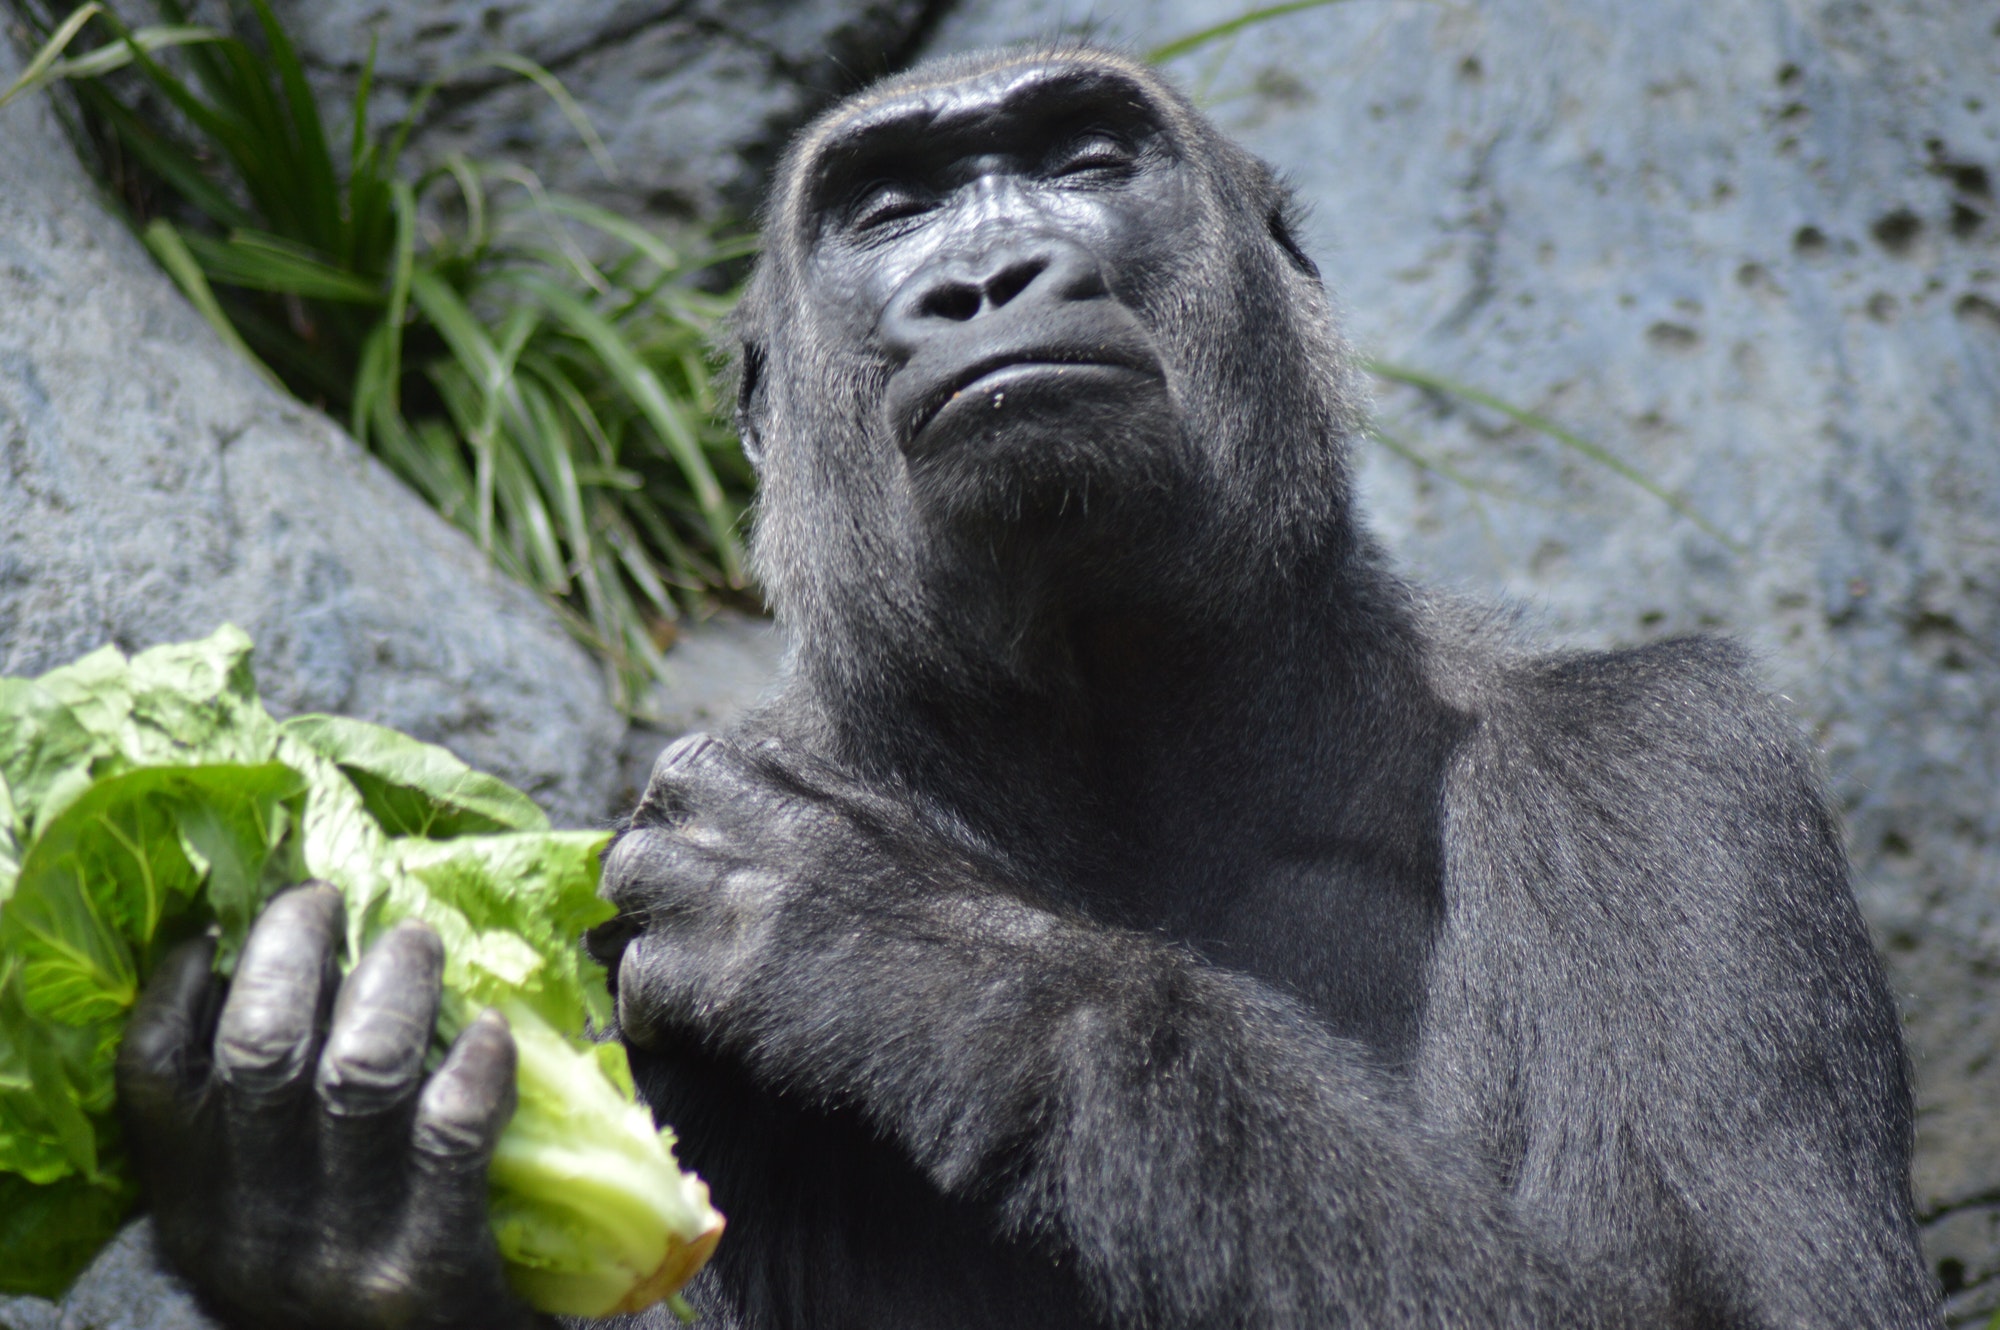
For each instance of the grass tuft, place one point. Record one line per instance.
(535, 366)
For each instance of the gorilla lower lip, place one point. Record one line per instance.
(1014, 384)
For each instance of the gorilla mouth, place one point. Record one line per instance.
(1060, 372)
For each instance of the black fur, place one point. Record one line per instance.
(1141, 907)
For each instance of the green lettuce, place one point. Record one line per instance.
(147, 800)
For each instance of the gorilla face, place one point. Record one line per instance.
(997, 245)
(1035, 309)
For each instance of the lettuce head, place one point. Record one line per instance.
(147, 800)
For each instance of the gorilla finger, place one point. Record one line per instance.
(270, 1022)
(662, 878)
(372, 1065)
(460, 1116)
(162, 1063)
(669, 988)
(686, 777)
(374, 1053)
(686, 754)
(265, 1046)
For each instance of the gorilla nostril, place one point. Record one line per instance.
(1015, 278)
(951, 300)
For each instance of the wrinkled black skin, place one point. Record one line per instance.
(1139, 907)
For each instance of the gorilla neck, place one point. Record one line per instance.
(1026, 708)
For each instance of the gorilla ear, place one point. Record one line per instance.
(749, 380)
(1283, 223)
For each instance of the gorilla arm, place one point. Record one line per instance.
(1197, 1145)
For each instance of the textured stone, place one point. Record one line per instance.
(715, 672)
(1751, 248)
(153, 487)
(29, 1314)
(123, 1289)
(693, 98)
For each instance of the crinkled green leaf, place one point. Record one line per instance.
(98, 880)
(509, 909)
(10, 841)
(53, 1079)
(144, 800)
(45, 749)
(413, 788)
(196, 702)
(339, 840)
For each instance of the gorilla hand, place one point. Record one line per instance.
(301, 1168)
(768, 904)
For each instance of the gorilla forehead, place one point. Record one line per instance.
(956, 104)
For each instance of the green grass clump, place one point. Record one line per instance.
(535, 366)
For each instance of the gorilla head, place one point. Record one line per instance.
(1034, 322)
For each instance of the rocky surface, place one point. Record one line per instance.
(122, 1290)
(1752, 248)
(693, 98)
(716, 671)
(153, 487)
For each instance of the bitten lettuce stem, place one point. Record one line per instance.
(592, 1214)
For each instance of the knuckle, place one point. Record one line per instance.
(153, 1051)
(685, 752)
(369, 1067)
(463, 1107)
(262, 1045)
(456, 1120)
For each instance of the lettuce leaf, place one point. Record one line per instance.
(143, 801)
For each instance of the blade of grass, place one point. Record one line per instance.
(378, 392)
(669, 423)
(473, 193)
(172, 252)
(557, 93)
(636, 237)
(1194, 41)
(370, 199)
(1424, 462)
(567, 394)
(1438, 383)
(624, 542)
(313, 159)
(547, 448)
(175, 166)
(105, 59)
(37, 72)
(359, 145)
(563, 250)
(264, 262)
(230, 132)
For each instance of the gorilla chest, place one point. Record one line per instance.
(1334, 929)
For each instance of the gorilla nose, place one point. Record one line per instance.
(1014, 279)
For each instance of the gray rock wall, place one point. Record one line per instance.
(692, 97)
(153, 487)
(1752, 248)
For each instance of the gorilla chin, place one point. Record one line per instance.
(1044, 438)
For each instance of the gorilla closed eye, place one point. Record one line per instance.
(885, 201)
(1093, 150)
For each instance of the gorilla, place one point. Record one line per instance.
(1139, 907)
